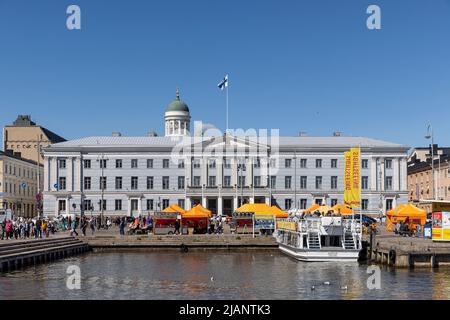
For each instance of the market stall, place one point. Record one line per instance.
(313, 208)
(405, 213)
(196, 220)
(342, 209)
(257, 217)
(165, 222)
(173, 208)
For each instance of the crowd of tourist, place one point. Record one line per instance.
(23, 228)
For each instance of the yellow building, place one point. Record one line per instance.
(19, 184)
(25, 137)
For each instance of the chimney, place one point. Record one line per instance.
(116, 134)
(337, 134)
(302, 134)
(152, 133)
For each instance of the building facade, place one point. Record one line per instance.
(18, 184)
(25, 137)
(138, 175)
(420, 176)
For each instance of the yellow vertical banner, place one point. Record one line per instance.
(352, 177)
(347, 177)
(356, 177)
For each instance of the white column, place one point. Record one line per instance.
(219, 166)
(267, 201)
(395, 178)
(204, 201)
(129, 207)
(140, 206)
(403, 174)
(188, 203)
(373, 174)
(249, 173)
(382, 177)
(46, 174)
(219, 206)
(69, 170)
(204, 178)
(234, 171)
(53, 172)
(235, 203)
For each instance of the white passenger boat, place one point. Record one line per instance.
(320, 238)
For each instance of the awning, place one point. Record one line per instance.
(196, 212)
(313, 208)
(404, 212)
(342, 209)
(262, 209)
(174, 209)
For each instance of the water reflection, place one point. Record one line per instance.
(238, 275)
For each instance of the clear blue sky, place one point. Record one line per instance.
(294, 65)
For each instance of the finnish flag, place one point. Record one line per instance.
(223, 83)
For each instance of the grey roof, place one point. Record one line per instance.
(340, 141)
(286, 142)
(119, 141)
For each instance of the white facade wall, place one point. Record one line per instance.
(218, 199)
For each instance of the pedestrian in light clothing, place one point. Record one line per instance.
(418, 234)
(92, 225)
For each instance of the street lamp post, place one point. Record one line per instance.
(430, 135)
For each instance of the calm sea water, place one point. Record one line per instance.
(236, 275)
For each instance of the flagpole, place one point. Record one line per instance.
(227, 85)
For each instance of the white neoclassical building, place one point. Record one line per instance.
(121, 175)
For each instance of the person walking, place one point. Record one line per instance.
(38, 228)
(9, 229)
(177, 227)
(92, 225)
(73, 227)
(3, 228)
(83, 226)
(122, 226)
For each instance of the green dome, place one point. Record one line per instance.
(177, 105)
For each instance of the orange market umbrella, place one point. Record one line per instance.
(196, 212)
(342, 209)
(403, 212)
(279, 213)
(324, 209)
(174, 209)
(313, 208)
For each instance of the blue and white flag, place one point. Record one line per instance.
(223, 83)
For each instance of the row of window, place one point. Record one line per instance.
(151, 205)
(288, 204)
(19, 189)
(20, 172)
(134, 182)
(103, 163)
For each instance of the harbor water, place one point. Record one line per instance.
(217, 275)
